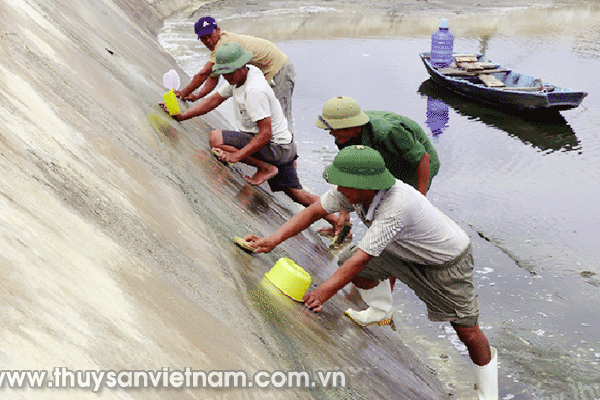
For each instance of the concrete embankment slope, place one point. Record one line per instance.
(115, 226)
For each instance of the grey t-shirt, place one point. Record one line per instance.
(402, 221)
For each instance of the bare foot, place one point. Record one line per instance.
(262, 175)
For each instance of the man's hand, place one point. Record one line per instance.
(341, 277)
(228, 156)
(312, 301)
(260, 244)
(192, 97)
(187, 97)
(176, 117)
(344, 217)
(337, 225)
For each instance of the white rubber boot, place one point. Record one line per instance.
(380, 310)
(487, 378)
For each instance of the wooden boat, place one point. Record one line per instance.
(473, 76)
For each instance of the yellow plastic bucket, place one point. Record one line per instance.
(171, 103)
(290, 278)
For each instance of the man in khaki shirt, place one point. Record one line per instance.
(278, 69)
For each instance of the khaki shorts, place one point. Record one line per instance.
(447, 290)
(283, 86)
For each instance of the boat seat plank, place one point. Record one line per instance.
(490, 81)
(449, 71)
(488, 65)
(465, 58)
(469, 66)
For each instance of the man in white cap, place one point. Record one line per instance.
(277, 67)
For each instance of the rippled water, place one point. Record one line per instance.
(525, 189)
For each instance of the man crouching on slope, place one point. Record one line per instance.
(407, 238)
(263, 140)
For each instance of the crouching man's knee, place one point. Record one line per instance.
(215, 138)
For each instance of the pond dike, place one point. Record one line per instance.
(116, 225)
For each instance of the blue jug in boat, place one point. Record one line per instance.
(442, 46)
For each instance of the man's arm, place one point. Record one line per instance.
(291, 228)
(344, 275)
(208, 104)
(196, 81)
(209, 84)
(423, 174)
(260, 140)
(402, 139)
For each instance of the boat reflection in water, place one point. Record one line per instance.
(548, 131)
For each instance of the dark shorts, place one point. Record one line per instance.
(280, 155)
(447, 290)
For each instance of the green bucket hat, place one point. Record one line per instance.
(229, 57)
(359, 167)
(341, 112)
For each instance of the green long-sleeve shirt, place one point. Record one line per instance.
(401, 142)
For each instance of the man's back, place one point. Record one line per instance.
(255, 100)
(266, 55)
(404, 223)
(401, 142)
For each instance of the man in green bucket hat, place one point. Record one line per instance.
(407, 151)
(405, 147)
(263, 139)
(407, 238)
